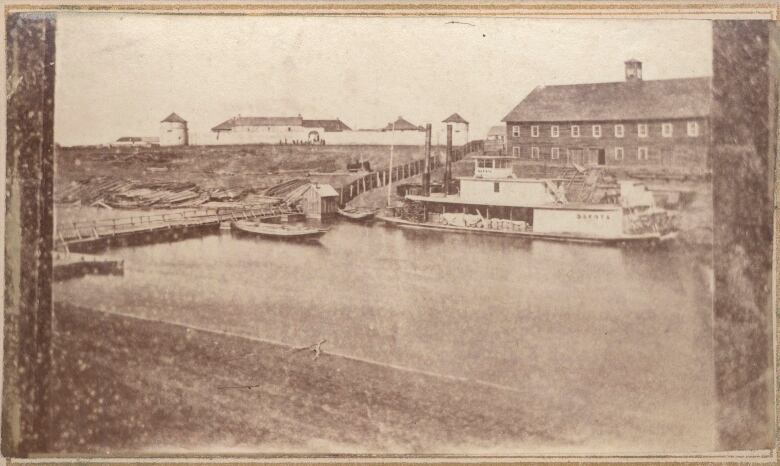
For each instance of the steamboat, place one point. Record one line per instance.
(496, 202)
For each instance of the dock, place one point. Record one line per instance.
(66, 266)
(150, 227)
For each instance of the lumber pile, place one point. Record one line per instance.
(413, 211)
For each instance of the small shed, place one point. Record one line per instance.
(319, 201)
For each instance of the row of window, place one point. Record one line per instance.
(667, 130)
(555, 153)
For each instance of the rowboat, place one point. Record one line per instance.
(358, 214)
(273, 230)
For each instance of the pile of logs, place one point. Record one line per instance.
(413, 211)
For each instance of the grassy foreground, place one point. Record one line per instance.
(128, 385)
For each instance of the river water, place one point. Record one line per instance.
(614, 339)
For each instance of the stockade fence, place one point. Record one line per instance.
(380, 178)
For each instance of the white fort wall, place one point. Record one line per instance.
(380, 138)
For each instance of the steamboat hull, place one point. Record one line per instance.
(646, 238)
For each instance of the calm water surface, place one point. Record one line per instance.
(601, 335)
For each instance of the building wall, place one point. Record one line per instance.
(460, 134)
(608, 222)
(173, 134)
(530, 192)
(677, 150)
(318, 207)
(264, 135)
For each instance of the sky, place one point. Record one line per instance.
(120, 74)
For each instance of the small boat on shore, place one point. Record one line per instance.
(273, 230)
(358, 214)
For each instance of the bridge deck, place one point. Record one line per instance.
(84, 232)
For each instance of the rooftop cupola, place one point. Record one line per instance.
(633, 70)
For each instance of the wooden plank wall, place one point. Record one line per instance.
(379, 178)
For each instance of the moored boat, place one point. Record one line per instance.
(279, 231)
(358, 214)
(496, 202)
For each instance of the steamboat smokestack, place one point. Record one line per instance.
(426, 177)
(448, 161)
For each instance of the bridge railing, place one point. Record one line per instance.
(382, 177)
(103, 227)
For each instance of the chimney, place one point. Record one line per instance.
(633, 70)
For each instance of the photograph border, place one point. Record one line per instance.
(28, 203)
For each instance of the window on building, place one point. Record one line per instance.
(535, 131)
(575, 131)
(642, 153)
(516, 151)
(555, 153)
(534, 152)
(618, 153)
(619, 131)
(596, 131)
(554, 131)
(496, 187)
(666, 130)
(515, 131)
(641, 130)
(693, 129)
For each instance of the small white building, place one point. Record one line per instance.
(460, 130)
(173, 131)
(267, 130)
(319, 201)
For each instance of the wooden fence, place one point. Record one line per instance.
(380, 178)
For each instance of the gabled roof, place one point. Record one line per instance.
(455, 118)
(258, 121)
(497, 131)
(325, 190)
(636, 100)
(173, 118)
(400, 125)
(328, 125)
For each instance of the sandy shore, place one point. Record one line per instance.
(124, 384)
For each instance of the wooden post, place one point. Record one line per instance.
(447, 166)
(426, 178)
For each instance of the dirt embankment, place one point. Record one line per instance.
(123, 384)
(218, 166)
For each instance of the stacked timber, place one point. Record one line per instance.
(412, 211)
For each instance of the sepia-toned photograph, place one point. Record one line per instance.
(248, 235)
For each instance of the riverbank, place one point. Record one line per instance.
(125, 384)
